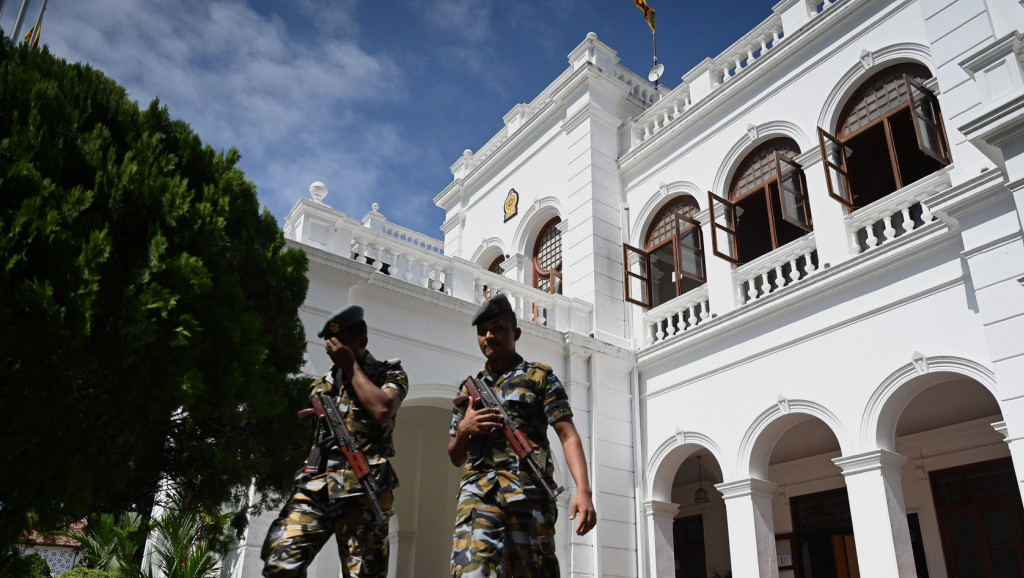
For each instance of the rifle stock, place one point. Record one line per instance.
(480, 394)
(325, 410)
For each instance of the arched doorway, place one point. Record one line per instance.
(421, 536)
(961, 493)
(700, 534)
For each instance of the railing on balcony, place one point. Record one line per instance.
(408, 258)
(894, 216)
(677, 316)
(774, 271)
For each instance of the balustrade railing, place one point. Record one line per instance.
(774, 271)
(895, 215)
(408, 258)
(748, 49)
(677, 316)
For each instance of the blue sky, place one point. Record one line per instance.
(375, 99)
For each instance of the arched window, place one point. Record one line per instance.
(547, 258)
(891, 134)
(495, 266)
(767, 205)
(672, 260)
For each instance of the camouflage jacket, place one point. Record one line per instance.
(374, 438)
(533, 398)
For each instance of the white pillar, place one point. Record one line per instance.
(879, 514)
(661, 553)
(1016, 453)
(748, 505)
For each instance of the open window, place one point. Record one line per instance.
(891, 134)
(672, 260)
(547, 258)
(767, 205)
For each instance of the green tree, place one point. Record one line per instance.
(14, 565)
(108, 544)
(188, 542)
(149, 309)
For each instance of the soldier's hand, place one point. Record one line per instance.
(342, 356)
(483, 421)
(583, 507)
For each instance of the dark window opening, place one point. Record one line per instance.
(547, 258)
(672, 260)
(767, 205)
(892, 134)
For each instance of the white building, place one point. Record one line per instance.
(792, 284)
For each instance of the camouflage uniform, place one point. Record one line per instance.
(504, 522)
(333, 502)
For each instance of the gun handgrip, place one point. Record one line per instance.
(308, 412)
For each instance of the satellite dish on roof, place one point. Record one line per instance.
(656, 72)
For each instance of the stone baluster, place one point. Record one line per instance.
(780, 281)
(764, 44)
(659, 333)
(854, 243)
(407, 270)
(908, 221)
(358, 251)
(794, 271)
(872, 240)
(692, 310)
(889, 231)
(926, 214)
(739, 63)
(424, 277)
(751, 290)
(766, 286)
(809, 264)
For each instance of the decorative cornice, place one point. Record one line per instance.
(869, 462)
(746, 488)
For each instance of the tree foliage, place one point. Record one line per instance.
(107, 543)
(149, 309)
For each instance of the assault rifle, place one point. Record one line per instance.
(325, 411)
(479, 394)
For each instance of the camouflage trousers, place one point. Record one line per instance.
(309, 519)
(495, 538)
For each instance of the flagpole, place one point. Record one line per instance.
(21, 19)
(38, 29)
(3, 4)
(654, 40)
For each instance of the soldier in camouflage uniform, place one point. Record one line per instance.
(330, 499)
(505, 521)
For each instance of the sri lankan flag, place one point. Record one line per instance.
(32, 38)
(648, 12)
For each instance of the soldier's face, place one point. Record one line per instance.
(497, 338)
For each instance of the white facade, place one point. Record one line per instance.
(832, 382)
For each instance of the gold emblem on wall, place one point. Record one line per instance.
(511, 204)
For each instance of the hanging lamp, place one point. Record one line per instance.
(701, 495)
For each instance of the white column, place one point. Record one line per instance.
(1016, 452)
(879, 514)
(661, 547)
(748, 506)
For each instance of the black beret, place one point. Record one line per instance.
(340, 319)
(494, 307)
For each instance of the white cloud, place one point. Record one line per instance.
(288, 95)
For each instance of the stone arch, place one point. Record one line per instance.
(488, 250)
(890, 398)
(656, 201)
(768, 428)
(869, 63)
(542, 210)
(754, 136)
(437, 395)
(666, 459)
